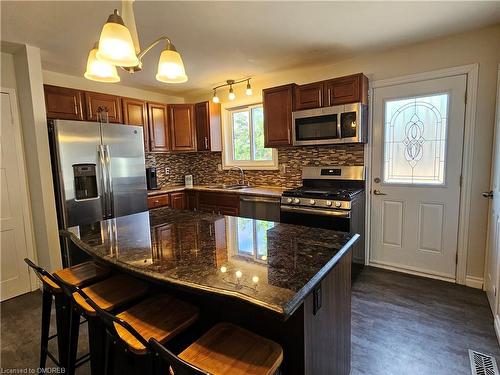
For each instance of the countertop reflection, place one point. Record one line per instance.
(270, 264)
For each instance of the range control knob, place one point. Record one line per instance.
(296, 200)
(338, 204)
(312, 201)
(328, 203)
(289, 200)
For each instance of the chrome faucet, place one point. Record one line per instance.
(242, 174)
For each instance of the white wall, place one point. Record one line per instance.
(480, 46)
(75, 82)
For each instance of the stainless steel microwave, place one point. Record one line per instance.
(330, 125)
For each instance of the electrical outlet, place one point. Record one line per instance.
(167, 171)
(219, 167)
(283, 168)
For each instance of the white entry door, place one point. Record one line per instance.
(14, 277)
(492, 264)
(416, 166)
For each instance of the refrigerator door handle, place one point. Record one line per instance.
(103, 180)
(111, 200)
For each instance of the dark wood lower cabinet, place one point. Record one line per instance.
(157, 201)
(219, 203)
(178, 200)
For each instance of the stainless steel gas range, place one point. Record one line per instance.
(331, 197)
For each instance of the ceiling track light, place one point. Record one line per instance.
(118, 46)
(231, 95)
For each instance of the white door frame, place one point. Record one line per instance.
(472, 72)
(23, 179)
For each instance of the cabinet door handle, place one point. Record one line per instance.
(206, 143)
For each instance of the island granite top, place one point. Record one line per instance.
(272, 265)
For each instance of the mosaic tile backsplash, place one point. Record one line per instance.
(203, 165)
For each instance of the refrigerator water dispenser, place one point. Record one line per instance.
(84, 176)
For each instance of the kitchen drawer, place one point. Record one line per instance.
(158, 201)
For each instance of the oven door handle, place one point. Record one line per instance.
(316, 211)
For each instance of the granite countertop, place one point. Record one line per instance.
(272, 265)
(263, 191)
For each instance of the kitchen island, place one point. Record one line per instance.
(285, 282)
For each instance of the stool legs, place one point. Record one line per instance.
(74, 330)
(97, 339)
(44, 341)
(62, 321)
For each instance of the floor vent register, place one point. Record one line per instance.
(482, 364)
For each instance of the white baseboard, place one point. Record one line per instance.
(496, 323)
(474, 282)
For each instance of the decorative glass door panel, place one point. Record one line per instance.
(415, 131)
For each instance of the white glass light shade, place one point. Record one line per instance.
(116, 46)
(100, 71)
(249, 91)
(215, 99)
(171, 67)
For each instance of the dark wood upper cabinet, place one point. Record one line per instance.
(135, 113)
(63, 103)
(208, 126)
(182, 128)
(96, 101)
(309, 96)
(159, 138)
(348, 89)
(278, 104)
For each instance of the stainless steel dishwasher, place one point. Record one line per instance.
(261, 208)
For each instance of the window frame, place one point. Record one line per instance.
(228, 160)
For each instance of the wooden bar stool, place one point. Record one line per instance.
(111, 294)
(159, 317)
(225, 349)
(79, 275)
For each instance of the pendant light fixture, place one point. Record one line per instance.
(215, 98)
(115, 44)
(119, 46)
(248, 91)
(231, 95)
(98, 70)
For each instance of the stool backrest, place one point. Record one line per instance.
(110, 320)
(44, 276)
(168, 360)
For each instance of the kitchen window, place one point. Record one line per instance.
(244, 140)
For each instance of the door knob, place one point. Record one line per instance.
(378, 192)
(488, 194)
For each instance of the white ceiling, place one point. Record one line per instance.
(222, 40)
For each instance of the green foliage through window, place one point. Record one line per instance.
(248, 135)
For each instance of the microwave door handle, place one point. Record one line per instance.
(111, 200)
(103, 183)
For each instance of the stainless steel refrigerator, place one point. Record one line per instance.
(99, 171)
